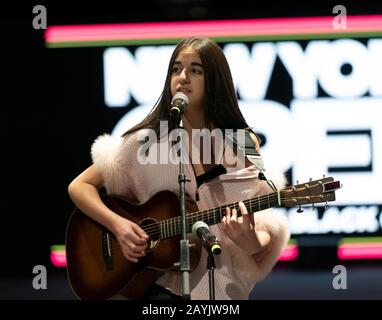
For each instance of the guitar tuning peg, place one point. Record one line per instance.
(300, 210)
(313, 206)
(323, 176)
(310, 179)
(326, 205)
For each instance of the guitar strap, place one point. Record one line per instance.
(243, 140)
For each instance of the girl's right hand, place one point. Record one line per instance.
(131, 238)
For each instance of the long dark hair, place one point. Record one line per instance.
(220, 102)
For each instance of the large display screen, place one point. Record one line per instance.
(315, 98)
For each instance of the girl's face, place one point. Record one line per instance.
(188, 77)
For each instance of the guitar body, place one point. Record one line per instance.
(96, 266)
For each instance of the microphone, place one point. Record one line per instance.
(179, 104)
(209, 241)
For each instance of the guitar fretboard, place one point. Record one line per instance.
(317, 191)
(172, 227)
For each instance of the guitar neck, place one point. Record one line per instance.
(317, 191)
(172, 227)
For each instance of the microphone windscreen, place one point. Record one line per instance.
(197, 225)
(180, 96)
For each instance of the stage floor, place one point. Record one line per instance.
(285, 282)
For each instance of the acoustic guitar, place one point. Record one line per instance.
(97, 268)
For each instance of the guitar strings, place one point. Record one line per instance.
(175, 221)
(205, 215)
(158, 227)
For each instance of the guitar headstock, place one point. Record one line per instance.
(316, 191)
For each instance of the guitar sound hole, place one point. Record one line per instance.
(152, 228)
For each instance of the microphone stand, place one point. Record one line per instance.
(212, 247)
(211, 274)
(184, 242)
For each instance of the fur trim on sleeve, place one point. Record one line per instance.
(104, 150)
(276, 224)
(278, 227)
(105, 153)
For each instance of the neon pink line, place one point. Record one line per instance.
(344, 252)
(289, 253)
(58, 259)
(360, 251)
(222, 28)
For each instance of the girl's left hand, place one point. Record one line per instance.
(242, 233)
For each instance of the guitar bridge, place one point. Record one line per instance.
(107, 250)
